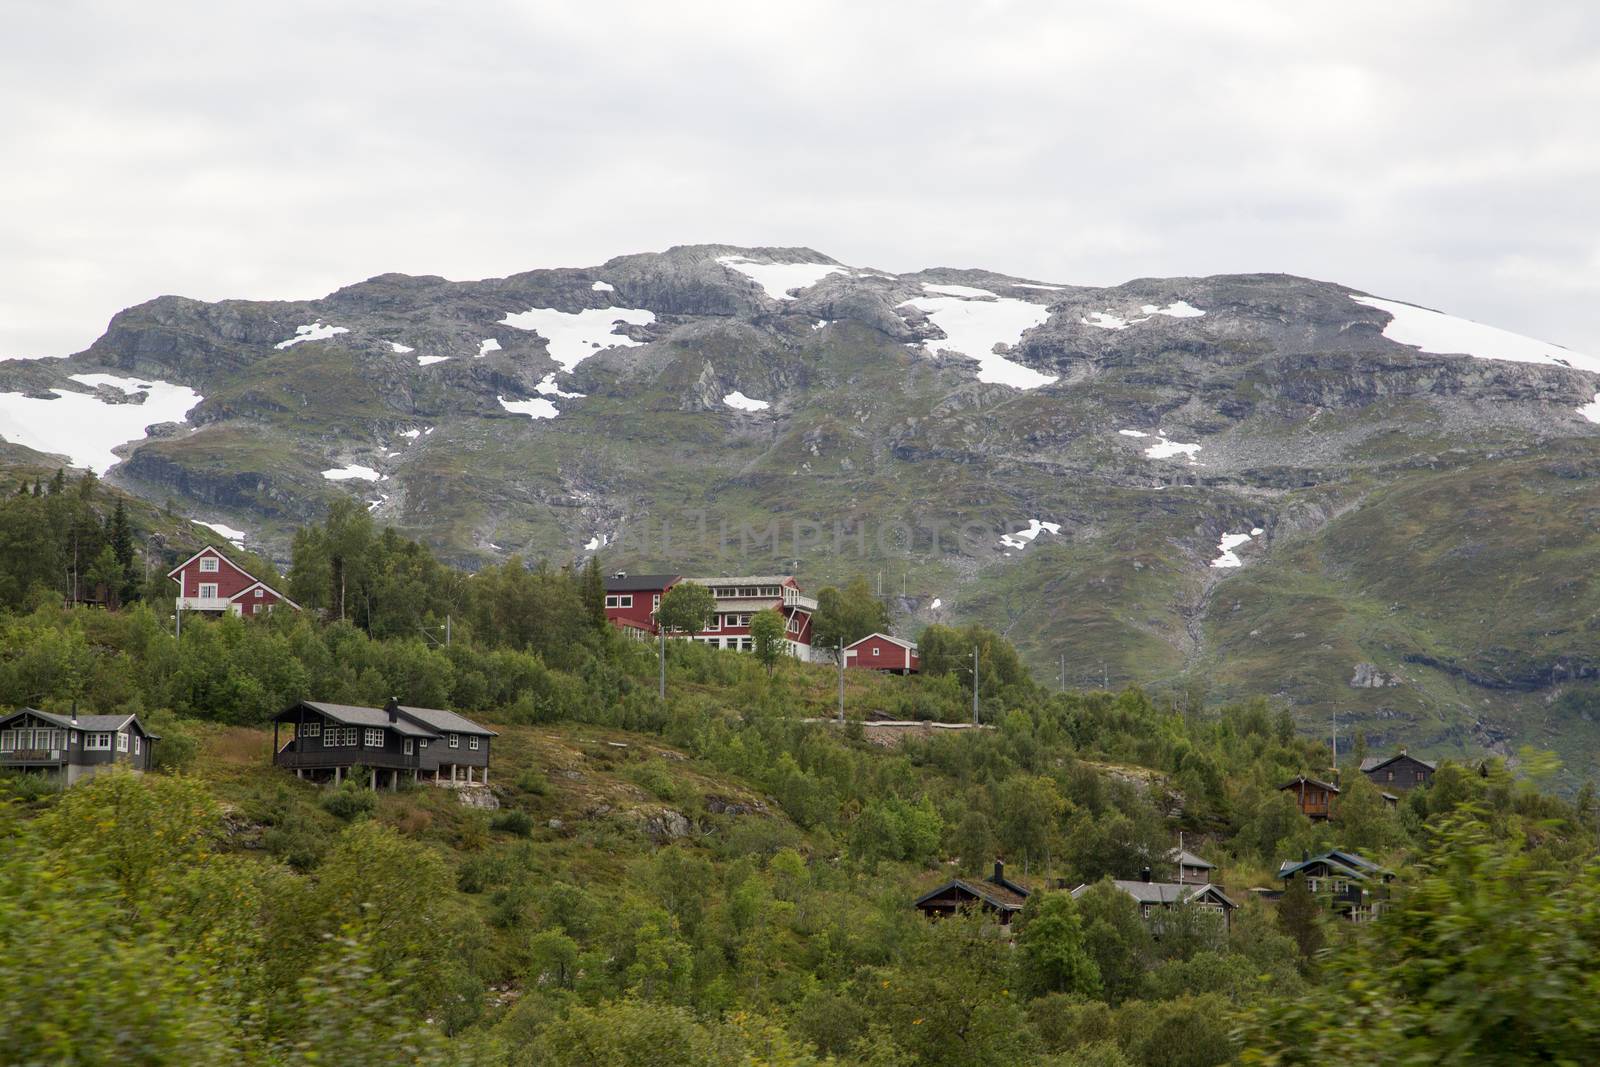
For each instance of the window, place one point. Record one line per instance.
(1419, 775)
(98, 742)
(1389, 777)
(8, 740)
(796, 623)
(611, 601)
(122, 741)
(625, 601)
(424, 742)
(874, 650)
(311, 729)
(715, 623)
(655, 601)
(407, 746)
(373, 739)
(455, 741)
(208, 564)
(472, 743)
(208, 590)
(135, 744)
(72, 738)
(260, 592)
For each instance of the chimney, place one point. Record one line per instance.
(394, 703)
(620, 574)
(1145, 874)
(74, 713)
(999, 871)
(1305, 855)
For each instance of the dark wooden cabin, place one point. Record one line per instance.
(1401, 771)
(996, 894)
(1314, 797)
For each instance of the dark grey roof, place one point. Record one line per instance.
(630, 583)
(1297, 779)
(1185, 858)
(1372, 763)
(92, 723)
(353, 715)
(1167, 893)
(445, 721)
(1350, 864)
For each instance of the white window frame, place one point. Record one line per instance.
(715, 624)
(472, 743)
(625, 600)
(8, 740)
(97, 741)
(135, 744)
(655, 601)
(313, 729)
(122, 740)
(874, 651)
(372, 737)
(209, 565)
(260, 592)
(211, 595)
(407, 748)
(455, 740)
(611, 601)
(72, 738)
(423, 743)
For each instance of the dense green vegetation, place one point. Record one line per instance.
(714, 881)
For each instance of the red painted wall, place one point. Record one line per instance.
(228, 578)
(640, 613)
(890, 657)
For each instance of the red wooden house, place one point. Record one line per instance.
(632, 600)
(880, 652)
(210, 582)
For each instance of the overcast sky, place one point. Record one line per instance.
(1444, 153)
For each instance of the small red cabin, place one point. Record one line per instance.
(880, 652)
(210, 582)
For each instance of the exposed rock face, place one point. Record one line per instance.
(1405, 500)
(477, 796)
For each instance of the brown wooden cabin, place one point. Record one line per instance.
(1315, 798)
(996, 894)
(1402, 771)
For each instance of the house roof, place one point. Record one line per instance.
(1005, 897)
(748, 579)
(1167, 893)
(214, 551)
(908, 645)
(90, 723)
(243, 593)
(1185, 858)
(1299, 778)
(632, 583)
(353, 715)
(1373, 763)
(1350, 864)
(445, 721)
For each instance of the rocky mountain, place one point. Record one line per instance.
(1247, 483)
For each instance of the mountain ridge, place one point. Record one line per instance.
(1148, 421)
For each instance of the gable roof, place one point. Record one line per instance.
(747, 579)
(1300, 778)
(240, 595)
(1350, 864)
(1164, 893)
(909, 646)
(1374, 763)
(214, 551)
(632, 583)
(87, 723)
(444, 721)
(354, 715)
(1005, 897)
(1185, 858)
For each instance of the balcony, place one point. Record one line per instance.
(314, 757)
(33, 757)
(207, 603)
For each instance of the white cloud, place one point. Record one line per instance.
(1374, 152)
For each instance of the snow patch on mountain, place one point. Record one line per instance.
(1591, 411)
(1178, 309)
(1106, 320)
(959, 290)
(487, 345)
(973, 328)
(603, 287)
(399, 348)
(575, 336)
(1441, 334)
(314, 332)
(233, 537)
(1226, 557)
(537, 408)
(355, 472)
(778, 278)
(1024, 537)
(1166, 449)
(428, 361)
(547, 387)
(85, 428)
(739, 402)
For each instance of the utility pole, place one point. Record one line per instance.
(447, 631)
(1061, 673)
(178, 636)
(661, 634)
(974, 685)
(841, 681)
(1336, 742)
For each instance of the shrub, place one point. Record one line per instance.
(348, 802)
(516, 823)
